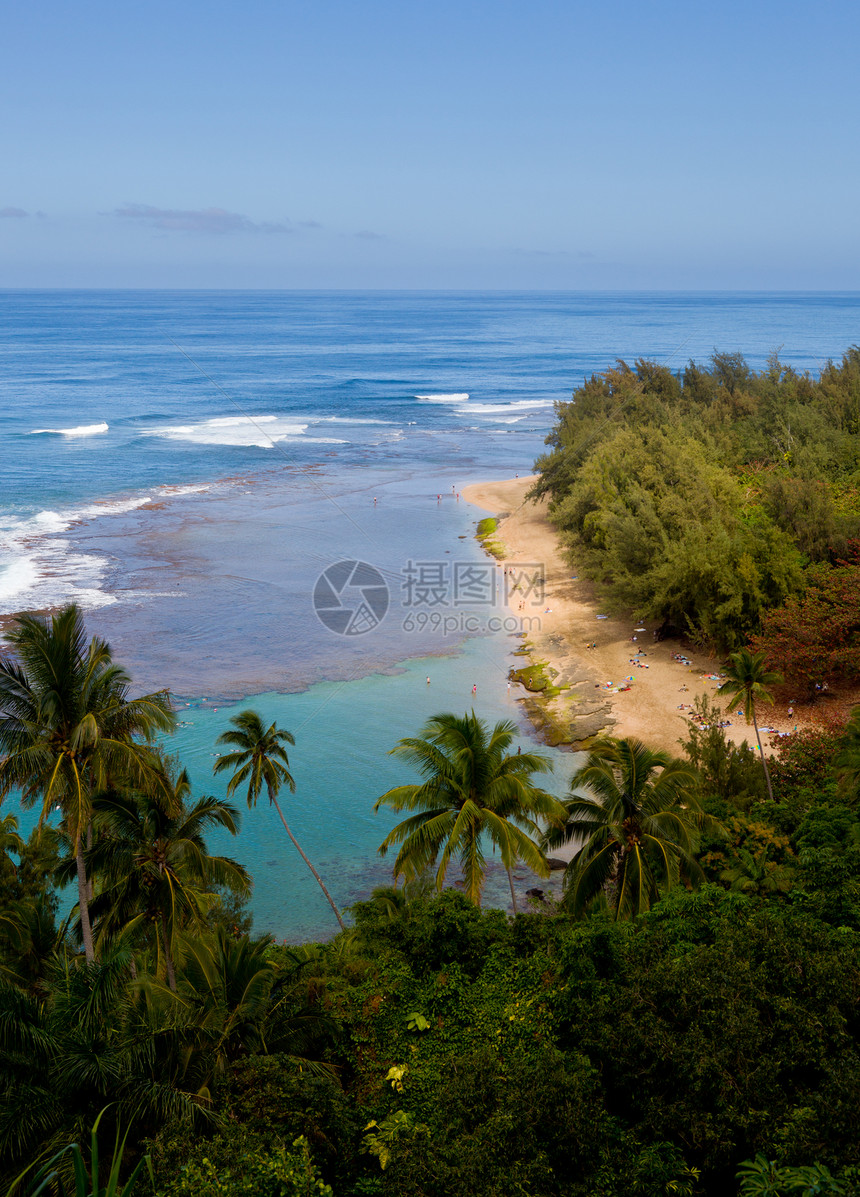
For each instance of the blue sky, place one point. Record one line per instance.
(468, 144)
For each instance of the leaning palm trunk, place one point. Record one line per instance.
(513, 895)
(89, 848)
(763, 761)
(168, 958)
(749, 676)
(274, 802)
(83, 901)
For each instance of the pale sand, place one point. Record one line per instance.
(649, 710)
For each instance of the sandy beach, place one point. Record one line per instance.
(572, 619)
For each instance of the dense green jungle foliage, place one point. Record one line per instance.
(684, 1027)
(709, 498)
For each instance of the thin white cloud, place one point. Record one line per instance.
(369, 235)
(583, 254)
(12, 212)
(202, 220)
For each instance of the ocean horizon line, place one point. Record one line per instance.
(636, 292)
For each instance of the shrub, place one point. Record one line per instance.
(281, 1173)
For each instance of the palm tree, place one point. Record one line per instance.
(69, 729)
(155, 869)
(473, 789)
(260, 758)
(747, 675)
(235, 999)
(639, 821)
(29, 939)
(65, 1056)
(10, 841)
(756, 875)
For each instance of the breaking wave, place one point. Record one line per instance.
(454, 397)
(78, 431)
(257, 432)
(490, 409)
(40, 568)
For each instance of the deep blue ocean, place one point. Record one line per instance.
(187, 465)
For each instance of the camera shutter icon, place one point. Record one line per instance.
(351, 598)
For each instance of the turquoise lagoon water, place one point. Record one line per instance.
(341, 766)
(187, 465)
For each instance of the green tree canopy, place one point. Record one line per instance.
(699, 498)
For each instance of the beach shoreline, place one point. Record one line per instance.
(593, 698)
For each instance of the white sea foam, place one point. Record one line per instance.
(257, 432)
(78, 431)
(454, 397)
(112, 506)
(16, 530)
(463, 407)
(170, 492)
(344, 420)
(47, 572)
(17, 576)
(40, 568)
(387, 439)
(489, 409)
